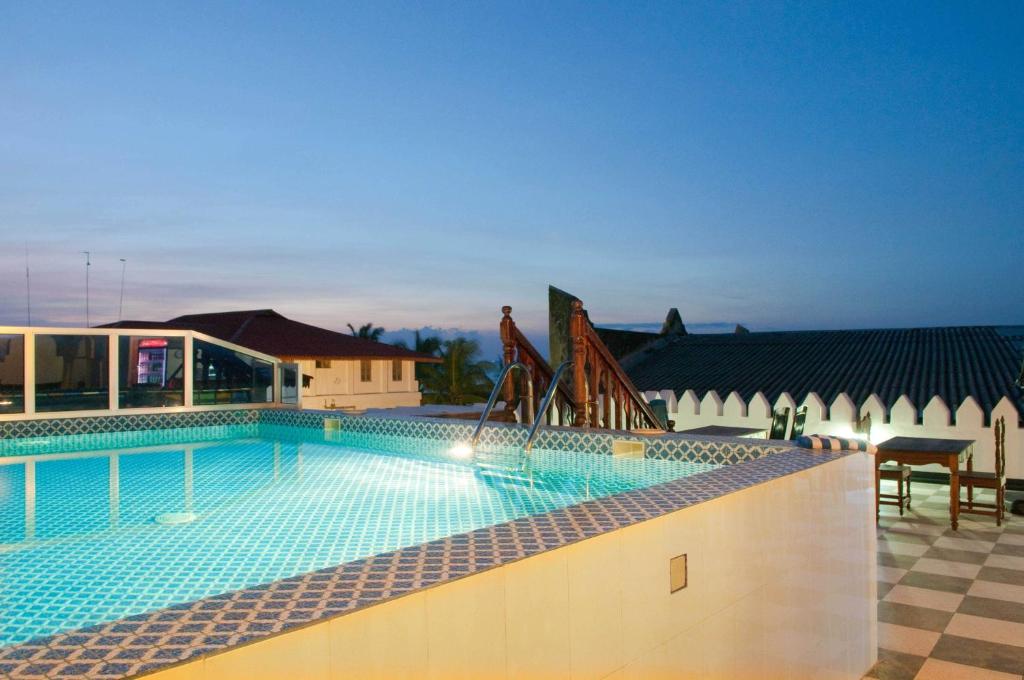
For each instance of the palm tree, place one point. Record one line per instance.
(368, 331)
(430, 345)
(460, 378)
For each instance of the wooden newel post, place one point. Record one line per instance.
(507, 329)
(578, 332)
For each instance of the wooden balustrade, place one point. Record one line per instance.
(600, 395)
(517, 347)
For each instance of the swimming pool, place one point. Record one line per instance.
(91, 532)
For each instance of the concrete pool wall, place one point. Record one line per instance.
(780, 583)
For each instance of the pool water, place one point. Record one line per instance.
(84, 536)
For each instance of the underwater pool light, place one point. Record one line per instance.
(461, 450)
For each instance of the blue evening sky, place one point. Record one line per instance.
(782, 165)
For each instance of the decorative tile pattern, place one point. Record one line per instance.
(672, 446)
(57, 426)
(948, 612)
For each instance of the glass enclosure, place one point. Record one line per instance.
(12, 373)
(224, 376)
(71, 372)
(151, 372)
(72, 369)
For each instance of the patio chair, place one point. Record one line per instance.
(780, 423)
(799, 417)
(894, 473)
(988, 480)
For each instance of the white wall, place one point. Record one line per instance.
(341, 385)
(774, 590)
(966, 421)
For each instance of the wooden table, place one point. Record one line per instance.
(924, 451)
(725, 431)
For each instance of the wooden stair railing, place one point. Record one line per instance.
(597, 373)
(602, 395)
(517, 347)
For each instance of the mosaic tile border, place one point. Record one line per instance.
(671, 446)
(713, 450)
(148, 642)
(128, 422)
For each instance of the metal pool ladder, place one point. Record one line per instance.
(545, 404)
(494, 398)
(535, 420)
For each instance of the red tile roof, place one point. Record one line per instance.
(264, 330)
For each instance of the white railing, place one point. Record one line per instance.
(113, 367)
(966, 421)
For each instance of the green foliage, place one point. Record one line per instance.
(368, 331)
(461, 377)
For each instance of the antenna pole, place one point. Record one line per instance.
(120, 307)
(88, 264)
(28, 289)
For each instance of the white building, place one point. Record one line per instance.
(338, 370)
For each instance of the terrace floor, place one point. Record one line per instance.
(950, 603)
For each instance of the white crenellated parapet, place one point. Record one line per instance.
(734, 406)
(904, 411)
(688, 405)
(937, 414)
(759, 407)
(711, 404)
(969, 415)
(837, 419)
(670, 399)
(876, 407)
(817, 412)
(786, 401)
(843, 411)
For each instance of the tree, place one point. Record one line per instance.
(430, 345)
(460, 378)
(368, 331)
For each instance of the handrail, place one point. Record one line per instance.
(517, 347)
(545, 404)
(595, 342)
(492, 400)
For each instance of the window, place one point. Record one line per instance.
(323, 363)
(365, 370)
(396, 370)
(151, 372)
(12, 373)
(71, 372)
(223, 376)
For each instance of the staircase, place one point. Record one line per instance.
(599, 394)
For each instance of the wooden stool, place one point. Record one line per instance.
(901, 475)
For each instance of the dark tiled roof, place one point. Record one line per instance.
(264, 330)
(622, 342)
(920, 362)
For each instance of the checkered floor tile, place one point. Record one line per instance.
(950, 603)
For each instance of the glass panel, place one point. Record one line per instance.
(12, 373)
(152, 371)
(396, 370)
(365, 370)
(71, 373)
(224, 376)
(289, 384)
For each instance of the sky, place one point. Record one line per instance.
(780, 165)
